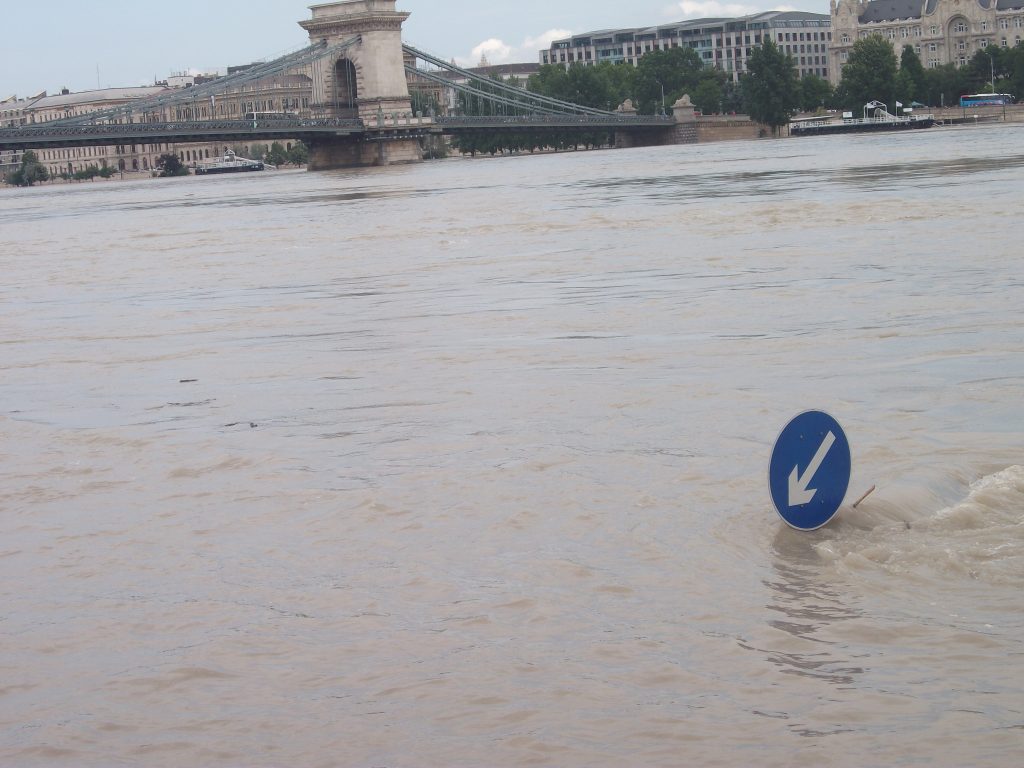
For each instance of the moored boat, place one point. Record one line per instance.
(876, 118)
(230, 163)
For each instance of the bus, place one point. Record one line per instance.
(986, 100)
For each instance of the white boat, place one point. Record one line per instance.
(876, 118)
(230, 163)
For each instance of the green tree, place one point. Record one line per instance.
(903, 89)
(602, 86)
(550, 80)
(665, 74)
(986, 66)
(298, 154)
(1015, 76)
(732, 96)
(945, 85)
(707, 96)
(913, 70)
(31, 171)
(815, 93)
(277, 155)
(170, 165)
(424, 102)
(869, 75)
(89, 173)
(770, 86)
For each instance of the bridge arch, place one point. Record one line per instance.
(346, 78)
(371, 30)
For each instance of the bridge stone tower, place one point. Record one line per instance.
(366, 81)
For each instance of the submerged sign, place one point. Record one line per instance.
(810, 470)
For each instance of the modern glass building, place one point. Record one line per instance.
(724, 43)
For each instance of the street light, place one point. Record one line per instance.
(992, 70)
(662, 96)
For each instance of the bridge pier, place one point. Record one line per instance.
(367, 78)
(356, 152)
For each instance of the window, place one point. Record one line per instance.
(961, 45)
(934, 29)
(1004, 24)
(983, 43)
(845, 38)
(933, 47)
(960, 27)
(984, 26)
(844, 56)
(904, 33)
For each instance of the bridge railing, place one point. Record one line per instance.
(554, 120)
(133, 130)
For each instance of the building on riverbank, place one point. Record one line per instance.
(279, 94)
(724, 43)
(940, 31)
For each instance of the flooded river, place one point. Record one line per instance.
(464, 464)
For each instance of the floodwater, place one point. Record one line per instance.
(464, 464)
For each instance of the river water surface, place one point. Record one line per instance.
(464, 464)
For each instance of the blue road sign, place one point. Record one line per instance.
(810, 470)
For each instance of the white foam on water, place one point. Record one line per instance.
(980, 537)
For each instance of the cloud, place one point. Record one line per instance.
(494, 50)
(544, 40)
(499, 52)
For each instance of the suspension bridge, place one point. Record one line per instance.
(353, 105)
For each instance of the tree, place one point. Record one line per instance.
(770, 86)
(298, 154)
(277, 154)
(665, 74)
(170, 165)
(89, 173)
(815, 93)
(913, 69)
(550, 80)
(1015, 62)
(945, 85)
(986, 66)
(30, 172)
(869, 75)
(707, 96)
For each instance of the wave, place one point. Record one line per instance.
(980, 537)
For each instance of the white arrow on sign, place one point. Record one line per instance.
(799, 494)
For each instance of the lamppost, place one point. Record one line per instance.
(662, 96)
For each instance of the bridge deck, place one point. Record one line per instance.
(55, 135)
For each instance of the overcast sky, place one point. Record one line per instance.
(49, 44)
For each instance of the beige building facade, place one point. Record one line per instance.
(940, 31)
(285, 95)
